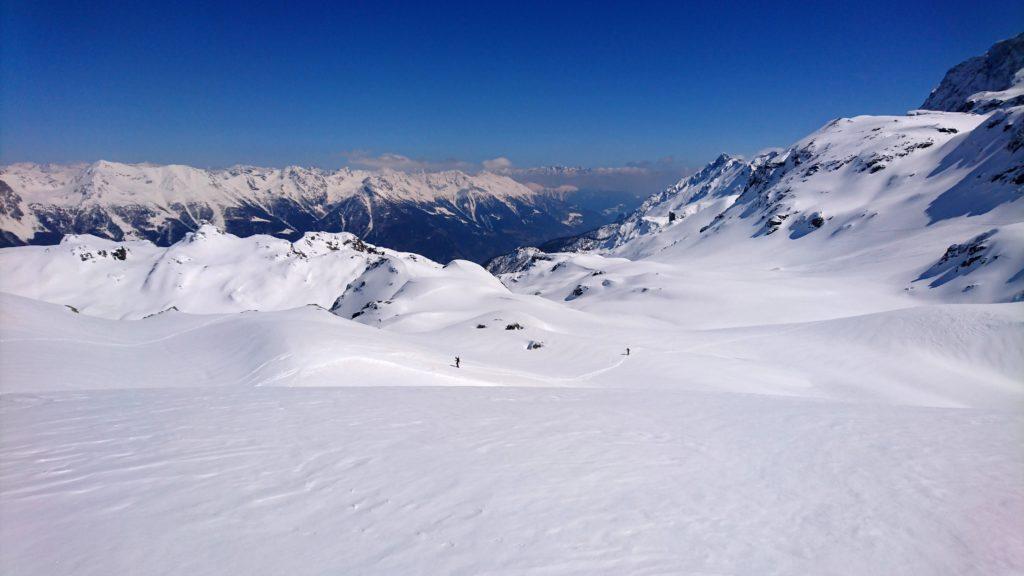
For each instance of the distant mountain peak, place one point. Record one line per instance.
(983, 83)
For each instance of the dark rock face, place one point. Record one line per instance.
(961, 260)
(10, 202)
(993, 72)
(10, 207)
(519, 260)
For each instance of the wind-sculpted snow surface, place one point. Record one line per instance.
(502, 481)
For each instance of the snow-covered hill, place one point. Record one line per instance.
(443, 215)
(212, 272)
(208, 271)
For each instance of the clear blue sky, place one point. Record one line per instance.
(213, 84)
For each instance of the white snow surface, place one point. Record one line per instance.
(428, 480)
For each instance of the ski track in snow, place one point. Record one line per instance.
(545, 381)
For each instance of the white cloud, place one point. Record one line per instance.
(640, 178)
(402, 163)
(769, 149)
(498, 164)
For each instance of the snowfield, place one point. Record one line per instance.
(239, 443)
(423, 480)
(810, 362)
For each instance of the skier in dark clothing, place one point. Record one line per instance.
(627, 351)
(457, 361)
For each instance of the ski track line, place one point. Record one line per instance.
(480, 380)
(118, 344)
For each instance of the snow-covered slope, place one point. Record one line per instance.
(443, 215)
(304, 442)
(928, 203)
(945, 355)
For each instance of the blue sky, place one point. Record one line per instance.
(591, 84)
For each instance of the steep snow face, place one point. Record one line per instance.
(444, 215)
(208, 271)
(983, 83)
(876, 200)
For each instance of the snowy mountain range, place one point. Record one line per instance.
(443, 215)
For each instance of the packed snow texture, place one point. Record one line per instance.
(502, 481)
